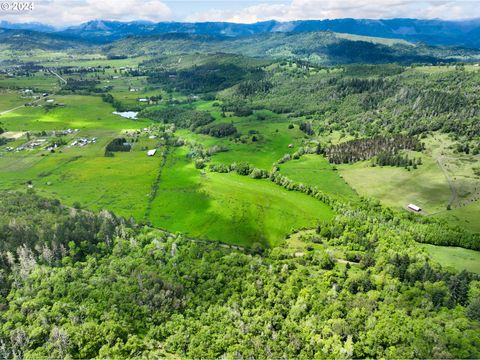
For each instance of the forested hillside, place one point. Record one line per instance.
(433, 32)
(81, 285)
(366, 100)
(316, 47)
(320, 47)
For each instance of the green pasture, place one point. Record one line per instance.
(121, 183)
(229, 207)
(426, 186)
(93, 60)
(39, 81)
(315, 170)
(10, 99)
(455, 257)
(273, 138)
(79, 112)
(466, 216)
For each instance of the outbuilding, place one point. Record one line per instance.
(414, 207)
(151, 152)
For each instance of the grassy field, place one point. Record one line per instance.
(455, 257)
(230, 207)
(120, 183)
(10, 99)
(466, 216)
(315, 170)
(397, 187)
(272, 134)
(79, 112)
(39, 81)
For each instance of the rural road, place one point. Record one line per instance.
(61, 78)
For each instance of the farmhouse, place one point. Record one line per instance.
(151, 152)
(414, 207)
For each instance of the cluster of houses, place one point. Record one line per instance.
(28, 146)
(83, 142)
(64, 132)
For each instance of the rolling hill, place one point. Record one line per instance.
(432, 32)
(317, 47)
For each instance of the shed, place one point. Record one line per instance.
(414, 207)
(151, 152)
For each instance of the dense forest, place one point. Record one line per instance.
(78, 284)
(365, 149)
(366, 101)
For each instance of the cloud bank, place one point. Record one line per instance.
(334, 9)
(67, 12)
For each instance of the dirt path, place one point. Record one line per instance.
(454, 195)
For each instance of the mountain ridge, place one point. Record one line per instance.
(432, 32)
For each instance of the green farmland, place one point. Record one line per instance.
(239, 191)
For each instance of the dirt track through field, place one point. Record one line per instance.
(454, 194)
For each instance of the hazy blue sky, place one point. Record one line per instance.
(67, 12)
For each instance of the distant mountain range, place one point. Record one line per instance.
(465, 33)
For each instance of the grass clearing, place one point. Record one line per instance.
(315, 170)
(272, 135)
(455, 257)
(466, 216)
(426, 186)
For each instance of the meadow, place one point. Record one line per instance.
(315, 170)
(426, 186)
(229, 207)
(79, 112)
(455, 258)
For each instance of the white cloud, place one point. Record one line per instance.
(66, 12)
(333, 9)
